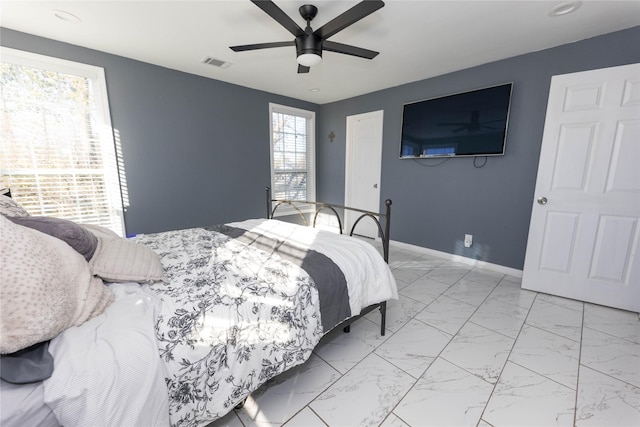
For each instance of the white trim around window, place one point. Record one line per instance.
(292, 154)
(58, 153)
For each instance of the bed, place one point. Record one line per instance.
(212, 314)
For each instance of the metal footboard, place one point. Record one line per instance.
(380, 219)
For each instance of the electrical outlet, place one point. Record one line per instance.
(468, 240)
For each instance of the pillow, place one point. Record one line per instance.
(46, 287)
(80, 239)
(9, 207)
(121, 260)
(29, 365)
(100, 231)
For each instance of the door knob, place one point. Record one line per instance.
(542, 200)
(375, 185)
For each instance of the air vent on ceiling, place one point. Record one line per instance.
(215, 62)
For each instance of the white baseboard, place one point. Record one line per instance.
(457, 258)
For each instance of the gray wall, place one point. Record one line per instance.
(192, 159)
(436, 206)
(195, 150)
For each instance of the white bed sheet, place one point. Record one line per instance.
(23, 405)
(107, 371)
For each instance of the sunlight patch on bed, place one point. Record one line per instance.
(267, 273)
(286, 231)
(216, 329)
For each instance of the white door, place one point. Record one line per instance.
(585, 220)
(363, 166)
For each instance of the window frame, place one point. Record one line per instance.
(96, 75)
(310, 152)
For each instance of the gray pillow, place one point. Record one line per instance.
(76, 236)
(29, 365)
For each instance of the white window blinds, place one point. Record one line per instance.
(57, 153)
(292, 153)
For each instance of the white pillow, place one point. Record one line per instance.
(121, 260)
(100, 231)
(46, 287)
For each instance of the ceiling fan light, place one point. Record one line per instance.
(309, 59)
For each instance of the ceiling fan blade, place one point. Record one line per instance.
(352, 15)
(282, 18)
(302, 69)
(256, 46)
(348, 49)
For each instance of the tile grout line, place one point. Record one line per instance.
(507, 359)
(443, 348)
(308, 405)
(434, 359)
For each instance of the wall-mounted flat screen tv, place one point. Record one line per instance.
(464, 124)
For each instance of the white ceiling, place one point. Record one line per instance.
(416, 39)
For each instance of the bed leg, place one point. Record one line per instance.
(346, 329)
(383, 312)
(240, 404)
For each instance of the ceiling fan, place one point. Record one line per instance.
(309, 43)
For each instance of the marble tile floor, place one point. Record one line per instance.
(464, 346)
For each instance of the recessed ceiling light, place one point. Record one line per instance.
(565, 8)
(315, 89)
(65, 16)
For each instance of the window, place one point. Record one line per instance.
(57, 153)
(292, 153)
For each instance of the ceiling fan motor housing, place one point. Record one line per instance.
(309, 44)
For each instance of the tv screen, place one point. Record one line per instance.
(465, 124)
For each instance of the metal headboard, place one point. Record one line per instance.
(377, 217)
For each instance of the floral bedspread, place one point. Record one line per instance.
(232, 317)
